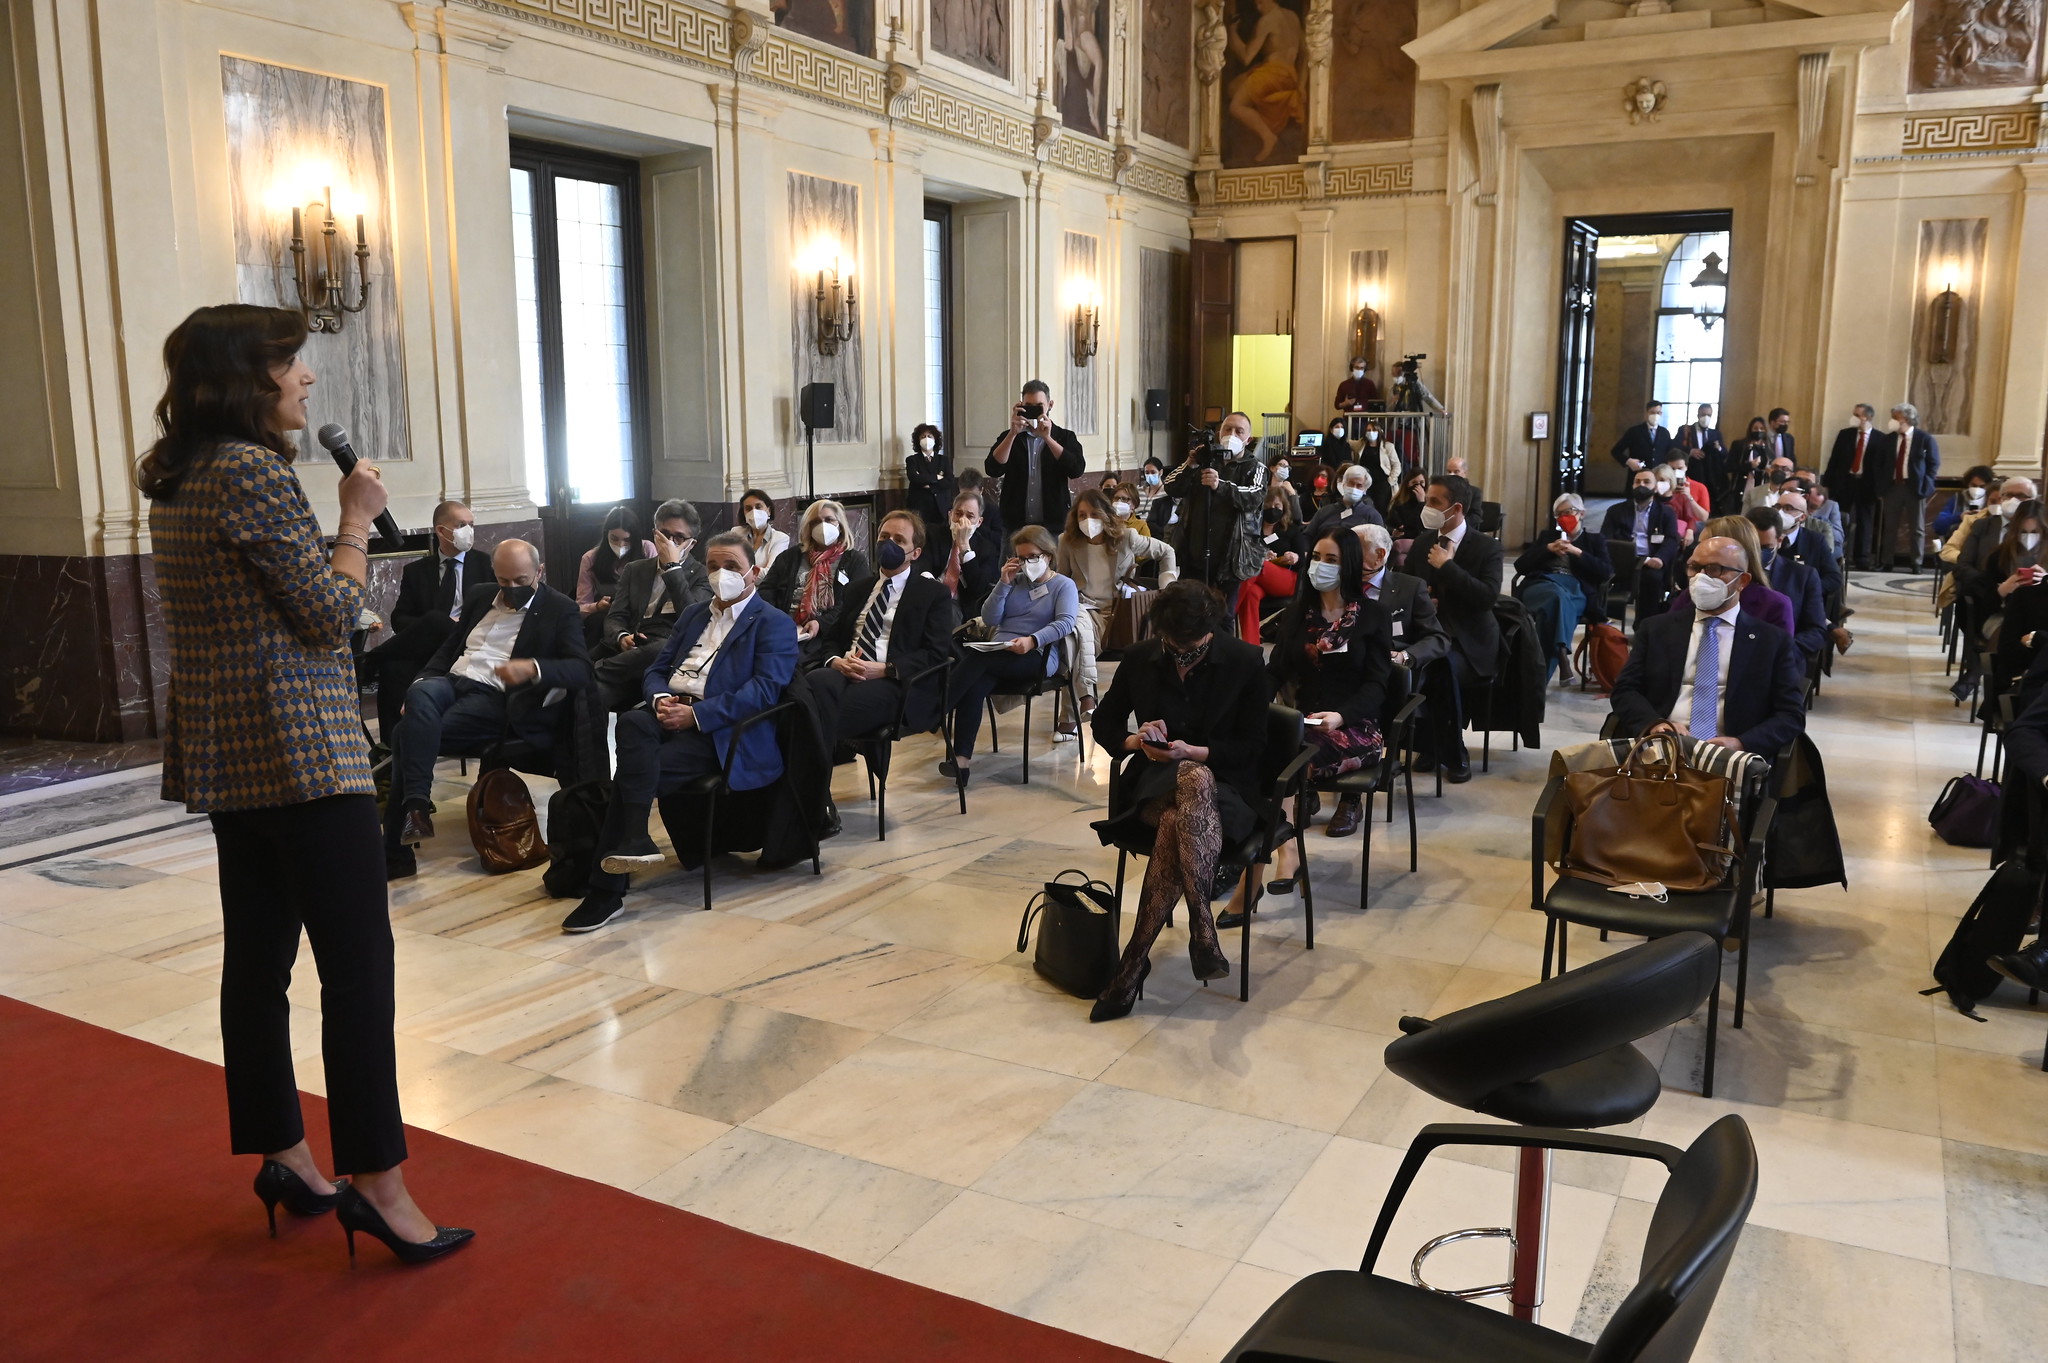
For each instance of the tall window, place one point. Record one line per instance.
(1691, 330)
(576, 249)
(938, 313)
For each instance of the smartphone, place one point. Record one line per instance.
(1150, 744)
(1312, 721)
(1033, 411)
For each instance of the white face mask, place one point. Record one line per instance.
(1351, 493)
(1034, 568)
(1893, 426)
(1653, 422)
(1708, 593)
(1663, 487)
(1433, 519)
(757, 517)
(1152, 480)
(2007, 507)
(1372, 437)
(1974, 496)
(1280, 472)
(729, 585)
(1091, 527)
(1357, 373)
(462, 538)
(620, 549)
(828, 533)
(1122, 509)
(1323, 576)
(2029, 539)
(925, 443)
(1234, 443)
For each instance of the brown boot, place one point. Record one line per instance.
(1843, 638)
(1348, 816)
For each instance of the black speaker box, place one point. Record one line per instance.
(1155, 404)
(814, 405)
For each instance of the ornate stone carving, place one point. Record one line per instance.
(900, 84)
(1282, 184)
(1212, 41)
(1973, 130)
(1315, 178)
(1974, 44)
(1813, 109)
(1486, 139)
(1319, 44)
(1643, 101)
(747, 33)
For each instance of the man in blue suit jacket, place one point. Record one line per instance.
(727, 658)
(1794, 581)
(1907, 464)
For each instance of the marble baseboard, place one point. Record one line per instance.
(83, 657)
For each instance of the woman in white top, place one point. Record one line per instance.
(1098, 554)
(764, 541)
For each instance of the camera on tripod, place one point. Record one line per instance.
(1410, 365)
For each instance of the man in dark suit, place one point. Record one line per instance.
(898, 624)
(1650, 527)
(1780, 437)
(970, 558)
(2026, 788)
(1645, 445)
(1417, 636)
(1702, 439)
(519, 642)
(651, 594)
(430, 595)
(1850, 478)
(1800, 541)
(1908, 463)
(726, 658)
(1708, 670)
(1462, 569)
(1793, 580)
(1035, 459)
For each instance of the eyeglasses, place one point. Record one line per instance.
(1720, 572)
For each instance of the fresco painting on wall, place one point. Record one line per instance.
(1169, 34)
(1265, 93)
(974, 31)
(843, 23)
(1080, 64)
(1372, 81)
(1976, 44)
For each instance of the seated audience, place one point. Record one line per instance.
(1687, 497)
(517, 642)
(1153, 504)
(1099, 559)
(1823, 513)
(1759, 598)
(2015, 568)
(1284, 547)
(1791, 579)
(764, 541)
(1404, 512)
(897, 624)
(2026, 767)
(1809, 546)
(1123, 508)
(809, 585)
(1197, 701)
(597, 573)
(1417, 637)
(648, 596)
(1651, 528)
(1458, 467)
(974, 480)
(1712, 670)
(968, 559)
(1563, 573)
(1030, 610)
(726, 658)
(1463, 571)
(2023, 612)
(1351, 507)
(431, 591)
(1954, 514)
(1107, 484)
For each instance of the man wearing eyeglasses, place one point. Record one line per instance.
(1711, 670)
(651, 595)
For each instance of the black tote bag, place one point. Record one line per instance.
(1077, 933)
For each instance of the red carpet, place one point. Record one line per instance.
(127, 1232)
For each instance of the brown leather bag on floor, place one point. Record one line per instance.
(1130, 621)
(1644, 821)
(1601, 654)
(503, 826)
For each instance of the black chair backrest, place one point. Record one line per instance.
(1283, 744)
(1692, 1236)
(1467, 1056)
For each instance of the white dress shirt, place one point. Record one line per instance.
(1374, 582)
(1455, 536)
(1681, 709)
(489, 644)
(891, 590)
(695, 666)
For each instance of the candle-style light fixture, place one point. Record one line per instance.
(1710, 287)
(1945, 320)
(1085, 305)
(1365, 329)
(320, 268)
(834, 306)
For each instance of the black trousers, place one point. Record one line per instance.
(975, 679)
(316, 866)
(849, 709)
(1859, 532)
(652, 762)
(1444, 685)
(394, 664)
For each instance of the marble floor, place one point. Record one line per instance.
(863, 1064)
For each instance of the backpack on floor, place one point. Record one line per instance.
(1993, 925)
(1966, 812)
(575, 818)
(1602, 653)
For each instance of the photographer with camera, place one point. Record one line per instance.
(1221, 484)
(1411, 394)
(1035, 459)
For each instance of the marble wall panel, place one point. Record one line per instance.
(824, 225)
(83, 655)
(1081, 278)
(1976, 44)
(974, 31)
(1265, 85)
(290, 136)
(843, 23)
(1080, 64)
(1951, 255)
(1372, 81)
(1166, 69)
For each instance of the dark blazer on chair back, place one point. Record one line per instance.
(1465, 589)
(1765, 701)
(419, 586)
(551, 635)
(748, 674)
(262, 709)
(920, 636)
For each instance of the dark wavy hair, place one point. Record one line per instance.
(1186, 610)
(938, 437)
(218, 387)
(604, 564)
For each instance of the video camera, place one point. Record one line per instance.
(1411, 365)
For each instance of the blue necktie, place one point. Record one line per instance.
(1706, 684)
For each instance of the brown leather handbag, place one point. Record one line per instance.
(503, 826)
(1651, 821)
(1130, 621)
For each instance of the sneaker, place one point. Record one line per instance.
(637, 854)
(1066, 731)
(594, 912)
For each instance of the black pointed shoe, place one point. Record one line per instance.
(356, 1214)
(277, 1183)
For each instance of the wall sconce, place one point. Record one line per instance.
(1712, 284)
(835, 309)
(320, 271)
(1086, 306)
(1365, 329)
(1945, 320)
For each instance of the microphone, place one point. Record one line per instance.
(334, 436)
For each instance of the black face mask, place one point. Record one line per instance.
(1270, 514)
(1642, 494)
(890, 555)
(516, 597)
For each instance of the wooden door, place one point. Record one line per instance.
(1212, 303)
(1575, 356)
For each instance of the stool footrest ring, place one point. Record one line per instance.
(1462, 1293)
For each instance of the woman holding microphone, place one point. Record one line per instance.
(265, 736)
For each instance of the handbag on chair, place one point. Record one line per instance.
(1077, 937)
(503, 826)
(1130, 622)
(1644, 821)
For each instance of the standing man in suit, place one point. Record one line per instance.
(1646, 445)
(1851, 482)
(971, 557)
(1781, 443)
(1703, 439)
(517, 642)
(651, 594)
(1708, 670)
(1651, 527)
(726, 658)
(1905, 480)
(901, 623)
(1035, 459)
(1462, 569)
(430, 596)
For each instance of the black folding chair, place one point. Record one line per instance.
(876, 746)
(1396, 764)
(715, 786)
(1062, 685)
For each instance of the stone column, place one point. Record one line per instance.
(1318, 294)
(1318, 42)
(2025, 409)
(1212, 42)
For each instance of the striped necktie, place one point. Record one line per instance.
(1706, 685)
(871, 623)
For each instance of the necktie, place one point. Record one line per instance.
(953, 572)
(445, 597)
(871, 623)
(1856, 467)
(1706, 684)
(1905, 444)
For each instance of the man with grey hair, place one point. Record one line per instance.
(519, 641)
(1907, 465)
(1350, 508)
(650, 595)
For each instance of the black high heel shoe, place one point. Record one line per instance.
(356, 1214)
(277, 1183)
(1108, 1010)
